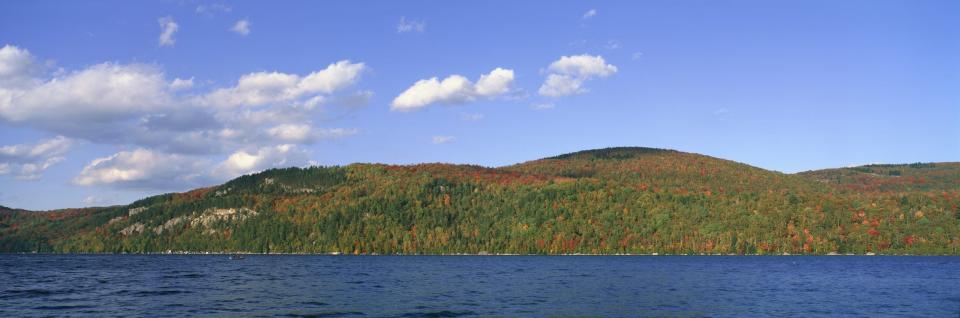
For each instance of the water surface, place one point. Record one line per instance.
(452, 286)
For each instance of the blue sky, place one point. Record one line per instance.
(105, 102)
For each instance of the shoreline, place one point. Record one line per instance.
(187, 253)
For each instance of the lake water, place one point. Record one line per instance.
(452, 286)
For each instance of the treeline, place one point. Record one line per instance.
(617, 200)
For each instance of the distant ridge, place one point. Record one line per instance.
(621, 200)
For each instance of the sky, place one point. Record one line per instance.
(106, 102)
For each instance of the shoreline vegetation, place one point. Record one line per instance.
(613, 201)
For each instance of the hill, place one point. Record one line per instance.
(606, 201)
(886, 177)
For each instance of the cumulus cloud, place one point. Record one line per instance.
(147, 169)
(135, 106)
(567, 75)
(438, 140)
(242, 27)
(244, 162)
(29, 152)
(453, 89)
(17, 67)
(143, 169)
(29, 161)
(34, 170)
(180, 84)
(167, 28)
(410, 25)
(269, 87)
(98, 93)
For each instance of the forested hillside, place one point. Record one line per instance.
(607, 201)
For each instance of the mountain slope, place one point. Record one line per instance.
(606, 201)
(904, 177)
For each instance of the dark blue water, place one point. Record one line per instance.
(451, 286)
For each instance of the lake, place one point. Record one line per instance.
(453, 286)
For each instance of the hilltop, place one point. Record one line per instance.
(604, 201)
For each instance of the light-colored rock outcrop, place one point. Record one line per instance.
(134, 211)
(209, 217)
(166, 226)
(133, 228)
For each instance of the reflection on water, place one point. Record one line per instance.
(453, 286)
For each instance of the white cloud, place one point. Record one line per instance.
(582, 66)
(567, 75)
(589, 14)
(304, 134)
(453, 90)
(101, 92)
(410, 25)
(636, 55)
(243, 162)
(17, 67)
(561, 85)
(44, 149)
(180, 84)
(242, 27)
(33, 171)
(437, 140)
(144, 169)
(496, 83)
(262, 87)
(290, 132)
(134, 106)
(167, 28)
(31, 160)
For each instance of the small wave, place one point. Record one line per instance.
(62, 307)
(148, 293)
(191, 275)
(328, 314)
(438, 314)
(27, 293)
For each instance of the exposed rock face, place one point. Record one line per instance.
(212, 216)
(115, 220)
(134, 211)
(208, 220)
(133, 228)
(169, 224)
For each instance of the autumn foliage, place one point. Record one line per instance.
(607, 201)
